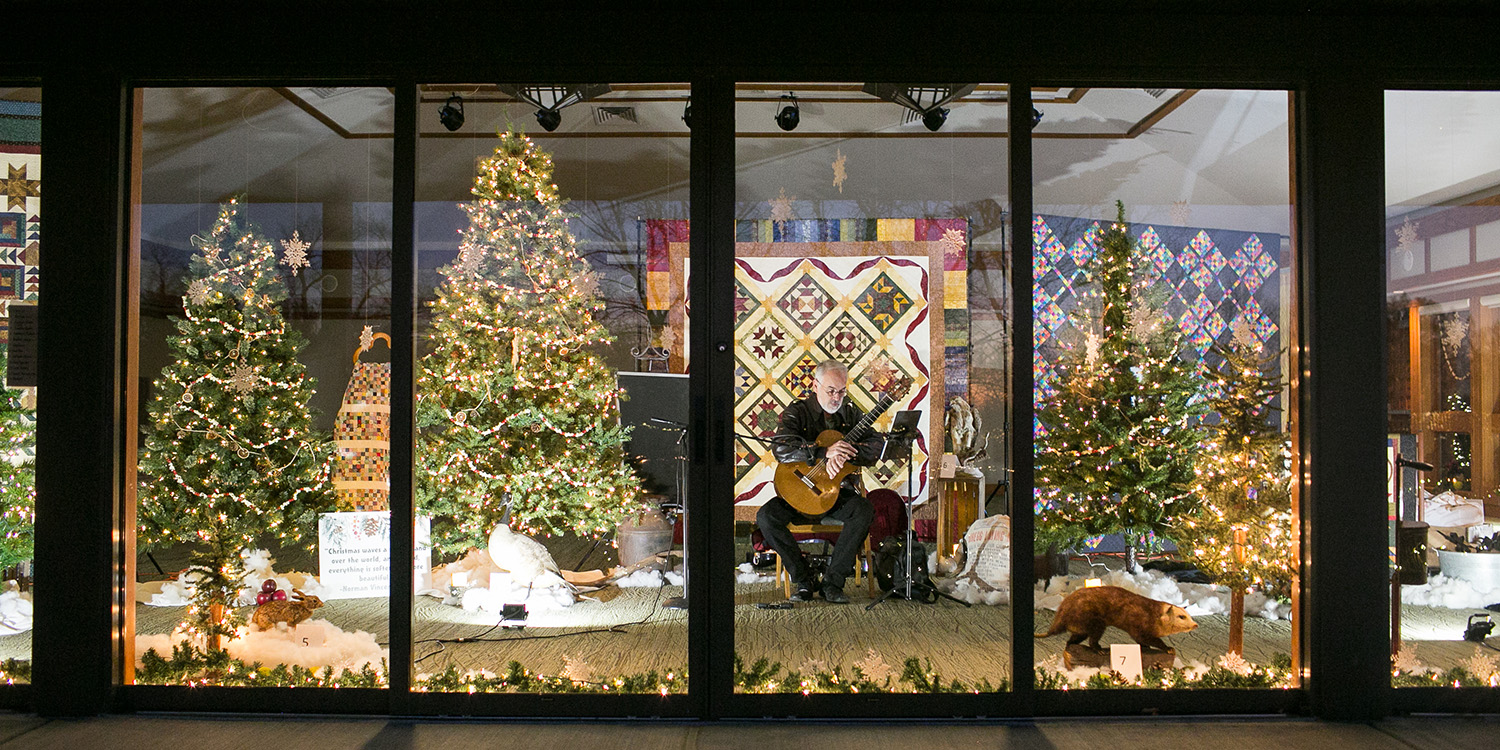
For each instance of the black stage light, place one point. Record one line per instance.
(687, 115)
(452, 113)
(1036, 117)
(1478, 629)
(789, 114)
(549, 119)
(934, 118)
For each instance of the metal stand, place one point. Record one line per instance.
(911, 531)
(681, 602)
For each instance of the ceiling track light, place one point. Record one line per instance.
(687, 115)
(1036, 117)
(549, 100)
(928, 101)
(451, 114)
(934, 118)
(788, 114)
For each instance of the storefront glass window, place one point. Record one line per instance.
(20, 251)
(1162, 316)
(552, 387)
(261, 471)
(1442, 257)
(871, 283)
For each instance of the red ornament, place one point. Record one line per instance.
(279, 596)
(268, 585)
(263, 597)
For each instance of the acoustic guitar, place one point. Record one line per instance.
(809, 487)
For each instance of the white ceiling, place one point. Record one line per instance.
(1219, 157)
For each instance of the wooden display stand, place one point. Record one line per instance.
(1080, 655)
(958, 508)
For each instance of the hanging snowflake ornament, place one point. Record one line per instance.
(576, 669)
(469, 257)
(198, 292)
(1181, 213)
(1143, 320)
(588, 283)
(296, 253)
(242, 379)
(366, 338)
(781, 208)
(1091, 343)
(1406, 244)
(839, 175)
(1236, 664)
(874, 668)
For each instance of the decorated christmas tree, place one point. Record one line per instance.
(1115, 450)
(230, 451)
(518, 415)
(1242, 534)
(17, 473)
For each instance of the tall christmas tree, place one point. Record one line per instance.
(1115, 453)
(517, 412)
(17, 473)
(1242, 534)
(231, 452)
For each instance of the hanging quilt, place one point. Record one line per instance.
(20, 205)
(888, 297)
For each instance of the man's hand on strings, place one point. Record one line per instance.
(838, 454)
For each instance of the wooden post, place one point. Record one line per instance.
(1237, 600)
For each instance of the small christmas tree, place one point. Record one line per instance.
(1116, 454)
(17, 473)
(518, 415)
(230, 451)
(1242, 534)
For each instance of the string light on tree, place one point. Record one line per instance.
(17, 473)
(517, 411)
(230, 449)
(1114, 452)
(1242, 534)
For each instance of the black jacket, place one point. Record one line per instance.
(804, 420)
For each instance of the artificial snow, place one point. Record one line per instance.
(489, 586)
(746, 573)
(1196, 598)
(650, 578)
(1450, 592)
(15, 609)
(341, 650)
(259, 567)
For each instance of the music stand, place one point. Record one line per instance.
(904, 426)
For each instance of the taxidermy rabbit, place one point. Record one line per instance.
(291, 612)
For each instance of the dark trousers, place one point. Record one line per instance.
(852, 508)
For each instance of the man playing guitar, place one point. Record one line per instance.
(827, 408)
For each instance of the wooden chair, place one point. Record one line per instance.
(860, 576)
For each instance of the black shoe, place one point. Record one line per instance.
(835, 595)
(801, 592)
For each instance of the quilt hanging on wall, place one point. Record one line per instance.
(888, 298)
(20, 205)
(1217, 281)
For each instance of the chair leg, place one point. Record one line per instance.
(784, 581)
(870, 563)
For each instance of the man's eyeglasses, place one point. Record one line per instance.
(830, 390)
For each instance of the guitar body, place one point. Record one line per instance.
(808, 487)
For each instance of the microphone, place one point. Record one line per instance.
(1403, 461)
(667, 423)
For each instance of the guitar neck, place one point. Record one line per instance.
(858, 431)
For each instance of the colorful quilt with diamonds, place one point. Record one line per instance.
(888, 297)
(362, 435)
(1216, 280)
(20, 206)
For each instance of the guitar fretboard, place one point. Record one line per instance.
(859, 431)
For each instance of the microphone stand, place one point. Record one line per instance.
(680, 602)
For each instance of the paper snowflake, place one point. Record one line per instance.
(1481, 665)
(781, 208)
(366, 338)
(198, 291)
(1245, 337)
(576, 669)
(1143, 320)
(588, 283)
(1091, 343)
(874, 668)
(1407, 662)
(468, 260)
(1181, 213)
(1406, 236)
(242, 379)
(839, 175)
(953, 242)
(1236, 664)
(296, 253)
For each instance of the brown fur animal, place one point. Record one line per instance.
(1085, 613)
(291, 611)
